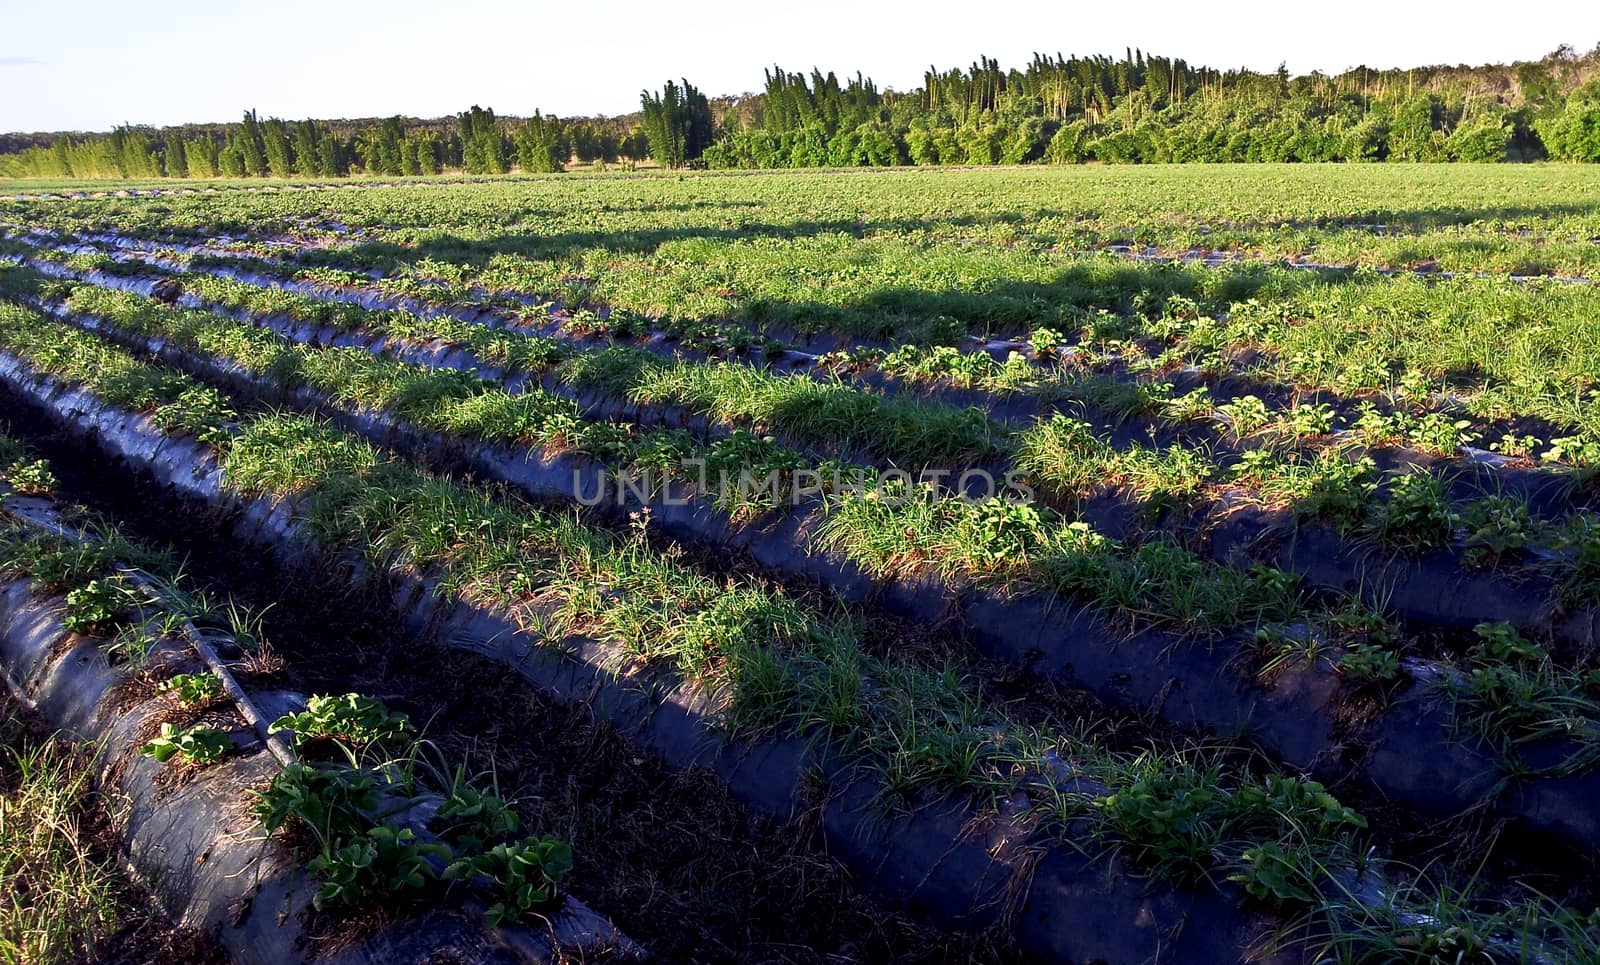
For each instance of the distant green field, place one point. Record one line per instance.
(1468, 216)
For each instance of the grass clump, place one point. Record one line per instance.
(1543, 718)
(60, 895)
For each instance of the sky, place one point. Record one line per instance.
(93, 64)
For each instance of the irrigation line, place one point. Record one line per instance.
(190, 633)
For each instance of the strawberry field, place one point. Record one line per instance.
(1190, 564)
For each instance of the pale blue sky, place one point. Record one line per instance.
(92, 64)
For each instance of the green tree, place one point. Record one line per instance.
(177, 159)
(1574, 133)
(252, 152)
(305, 148)
(541, 145)
(201, 155)
(677, 123)
(275, 143)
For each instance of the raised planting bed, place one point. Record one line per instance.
(1307, 710)
(932, 856)
(109, 654)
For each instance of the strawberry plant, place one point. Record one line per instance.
(1515, 446)
(349, 720)
(194, 689)
(1191, 407)
(31, 478)
(1416, 517)
(1276, 875)
(1370, 663)
(996, 530)
(1047, 342)
(1247, 415)
(1339, 490)
(331, 802)
(524, 876)
(471, 819)
(1580, 451)
(100, 603)
(1169, 819)
(1312, 419)
(1438, 433)
(1497, 528)
(384, 862)
(198, 746)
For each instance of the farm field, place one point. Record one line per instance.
(1189, 564)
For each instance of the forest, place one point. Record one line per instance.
(1138, 108)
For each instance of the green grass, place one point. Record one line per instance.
(1018, 547)
(60, 892)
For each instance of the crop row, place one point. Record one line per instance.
(1155, 582)
(1177, 367)
(340, 800)
(1061, 456)
(1245, 437)
(775, 665)
(1511, 219)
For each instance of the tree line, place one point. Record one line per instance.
(1137, 108)
(1149, 109)
(476, 142)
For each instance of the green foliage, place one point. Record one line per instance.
(1184, 820)
(384, 862)
(201, 412)
(1370, 663)
(1516, 697)
(1339, 489)
(350, 720)
(194, 689)
(1276, 875)
(330, 802)
(197, 746)
(1246, 415)
(30, 477)
(524, 876)
(1137, 109)
(100, 603)
(1498, 528)
(472, 819)
(1170, 820)
(1573, 134)
(1417, 515)
(677, 122)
